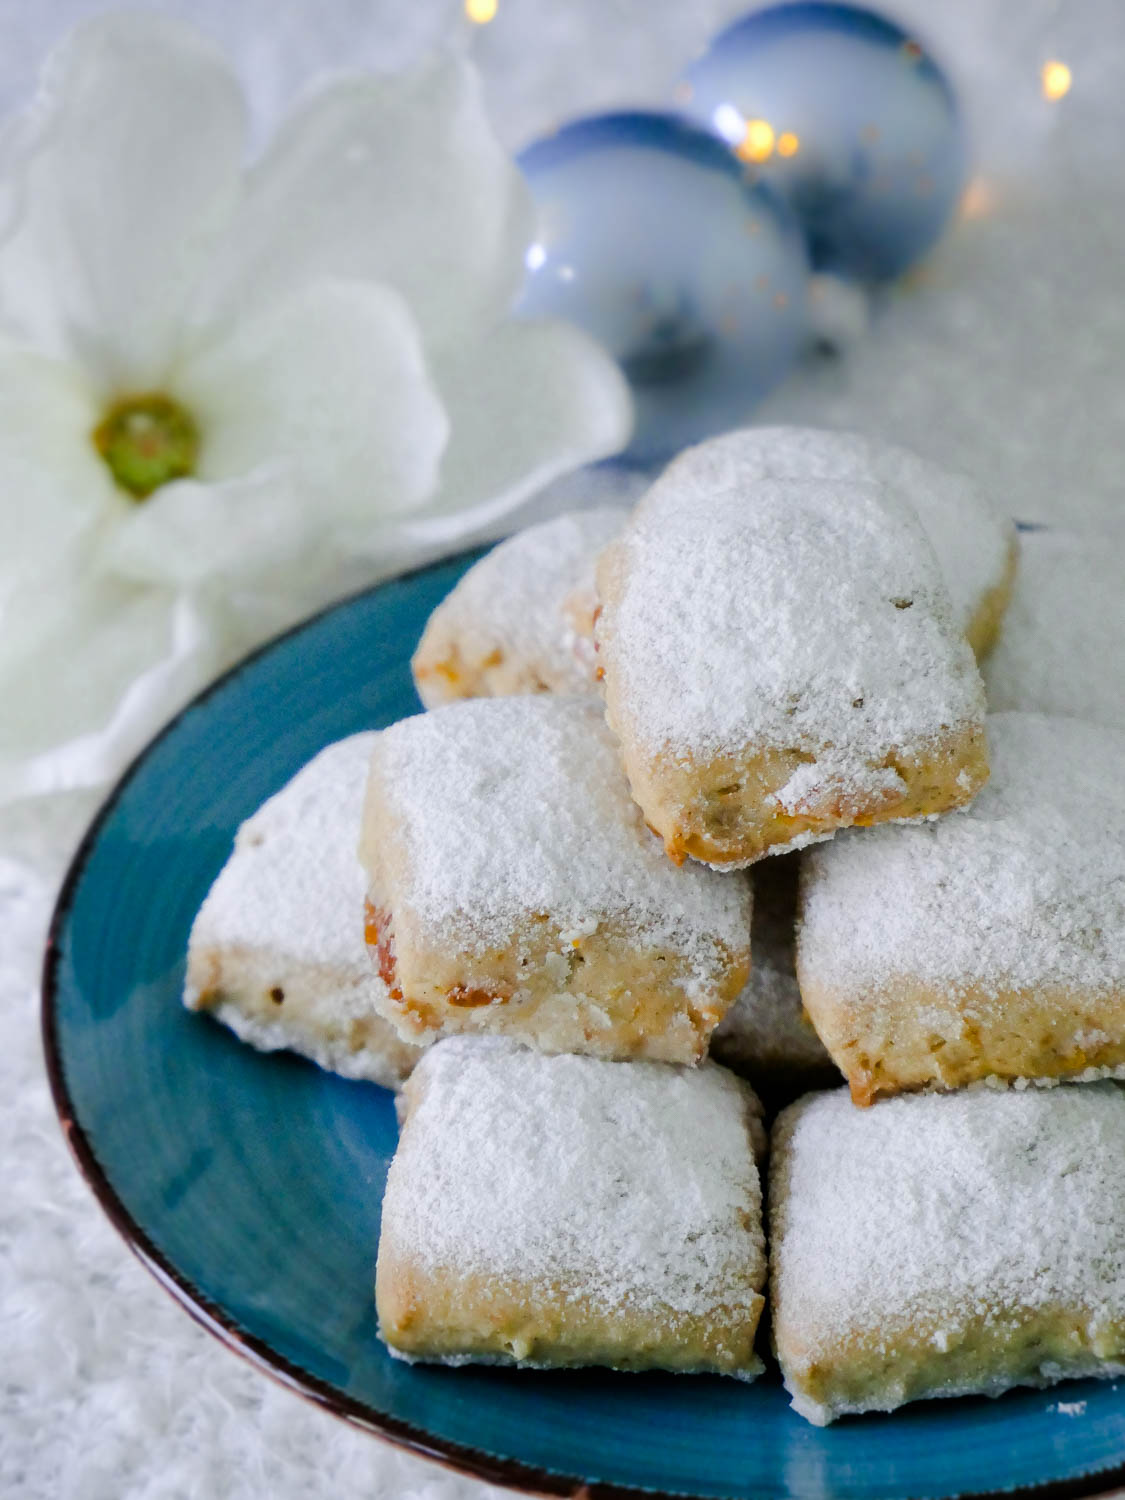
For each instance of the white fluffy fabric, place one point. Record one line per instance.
(1006, 356)
(109, 1390)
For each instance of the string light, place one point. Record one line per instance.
(480, 12)
(1056, 79)
(788, 144)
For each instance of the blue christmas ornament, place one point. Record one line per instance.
(650, 238)
(849, 117)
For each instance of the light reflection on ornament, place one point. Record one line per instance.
(728, 123)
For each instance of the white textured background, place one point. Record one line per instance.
(1006, 355)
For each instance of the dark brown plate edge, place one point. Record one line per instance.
(508, 1473)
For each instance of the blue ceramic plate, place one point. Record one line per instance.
(250, 1185)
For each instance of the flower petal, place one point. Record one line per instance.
(123, 187)
(188, 533)
(333, 384)
(395, 179)
(55, 492)
(99, 667)
(528, 403)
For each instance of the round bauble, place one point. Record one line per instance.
(650, 237)
(849, 117)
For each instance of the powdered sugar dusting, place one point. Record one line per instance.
(634, 1182)
(515, 599)
(1087, 1075)
(951, 1209)
(1062, 646)
(968, 532)
(859, 785)
(294, 881)
(806, 615)
(384, 1058)
(284, 918)
(511, 808)
(1024, 888)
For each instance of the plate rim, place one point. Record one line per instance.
(509, 1473)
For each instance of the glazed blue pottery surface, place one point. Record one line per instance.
(251, 1184)
(649, 237)
(849, 117)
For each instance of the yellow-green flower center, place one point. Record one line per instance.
(147, 441)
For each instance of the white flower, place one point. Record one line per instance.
(228, 394)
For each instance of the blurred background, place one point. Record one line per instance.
(1003, 353)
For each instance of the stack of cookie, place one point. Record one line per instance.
(584, 876)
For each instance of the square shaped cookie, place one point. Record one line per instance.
(781, 660)
(1062, 648)
(513, 887)
(987, 944)
(521, 619)
(946, 1245)
(571, 1211)
(974, 542)
(277, 951)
